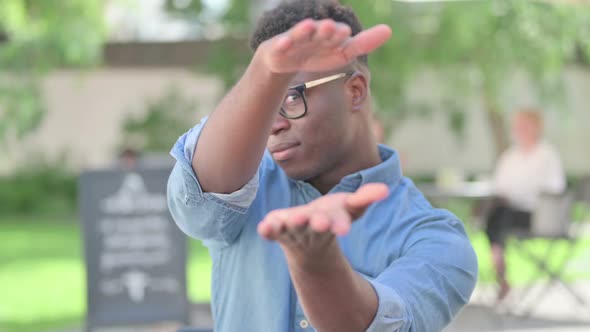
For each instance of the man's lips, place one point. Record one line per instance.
(282, 151)
(278, 147)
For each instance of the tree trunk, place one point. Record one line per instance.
(497, 124)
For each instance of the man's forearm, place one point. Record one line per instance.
(333, 296)
(233, 141)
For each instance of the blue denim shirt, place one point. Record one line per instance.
(417, 258)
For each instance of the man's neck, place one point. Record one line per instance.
(363, 159)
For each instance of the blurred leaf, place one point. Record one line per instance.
(457, 120)
(238, 14)
(188, 9)
(472, 48)
(42, 36)
(227, 62)
(157, 129)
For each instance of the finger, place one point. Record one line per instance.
(303, 31)
(366, 195)
(265, 230)
(320, 222)
(367, 41)
(325, 30)
(273, 224)
(298, 218)
(284, 43)
(340, 35)
(341, 222)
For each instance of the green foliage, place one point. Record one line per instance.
(42, 278)
(41, 189)
(471, 48)
(157, 129)
(229, 57)
(475, 44)
(187, 9)
(39, 37)
(21, 107)
(237, 18)
(227, 62)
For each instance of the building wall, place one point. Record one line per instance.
(427, 144)
(85, 112)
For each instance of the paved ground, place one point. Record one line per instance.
(551, 309)
(486, 319)
(555, 311)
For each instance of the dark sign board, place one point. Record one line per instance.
(135, 254)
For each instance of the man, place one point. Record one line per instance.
(128, 159)
(524, 171)
(321, 231)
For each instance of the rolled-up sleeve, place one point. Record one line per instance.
(214, 218)
(391, 312)
(432, 280)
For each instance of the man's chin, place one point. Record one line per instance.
(294, 172)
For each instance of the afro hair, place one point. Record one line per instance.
(289, 13)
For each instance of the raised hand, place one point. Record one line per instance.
(315, 46)
(309, 228)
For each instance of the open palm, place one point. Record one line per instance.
(329, 214)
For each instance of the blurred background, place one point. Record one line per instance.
(86, 84)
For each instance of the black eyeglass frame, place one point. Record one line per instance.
(301, 88)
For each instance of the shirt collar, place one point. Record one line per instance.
(388, 172)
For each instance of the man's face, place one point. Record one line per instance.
(319, 141)
(525, 131)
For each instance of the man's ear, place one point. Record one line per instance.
(358, 89)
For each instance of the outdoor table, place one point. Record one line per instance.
(477, 190)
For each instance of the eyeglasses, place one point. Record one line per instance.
(294, 105)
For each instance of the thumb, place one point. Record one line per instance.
(358, 202)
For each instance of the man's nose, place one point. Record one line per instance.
(281, 123)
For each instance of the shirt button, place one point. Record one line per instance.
(304, 324)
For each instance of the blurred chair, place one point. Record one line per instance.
(582, 200)
(551, 221)
(582, 193)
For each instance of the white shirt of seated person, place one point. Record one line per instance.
(529, 167)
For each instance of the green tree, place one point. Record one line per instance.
(38, 36)
(163, 119)
(472, 48)
(187, 9)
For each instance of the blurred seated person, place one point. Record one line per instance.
(529, 167)
(128, 159)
